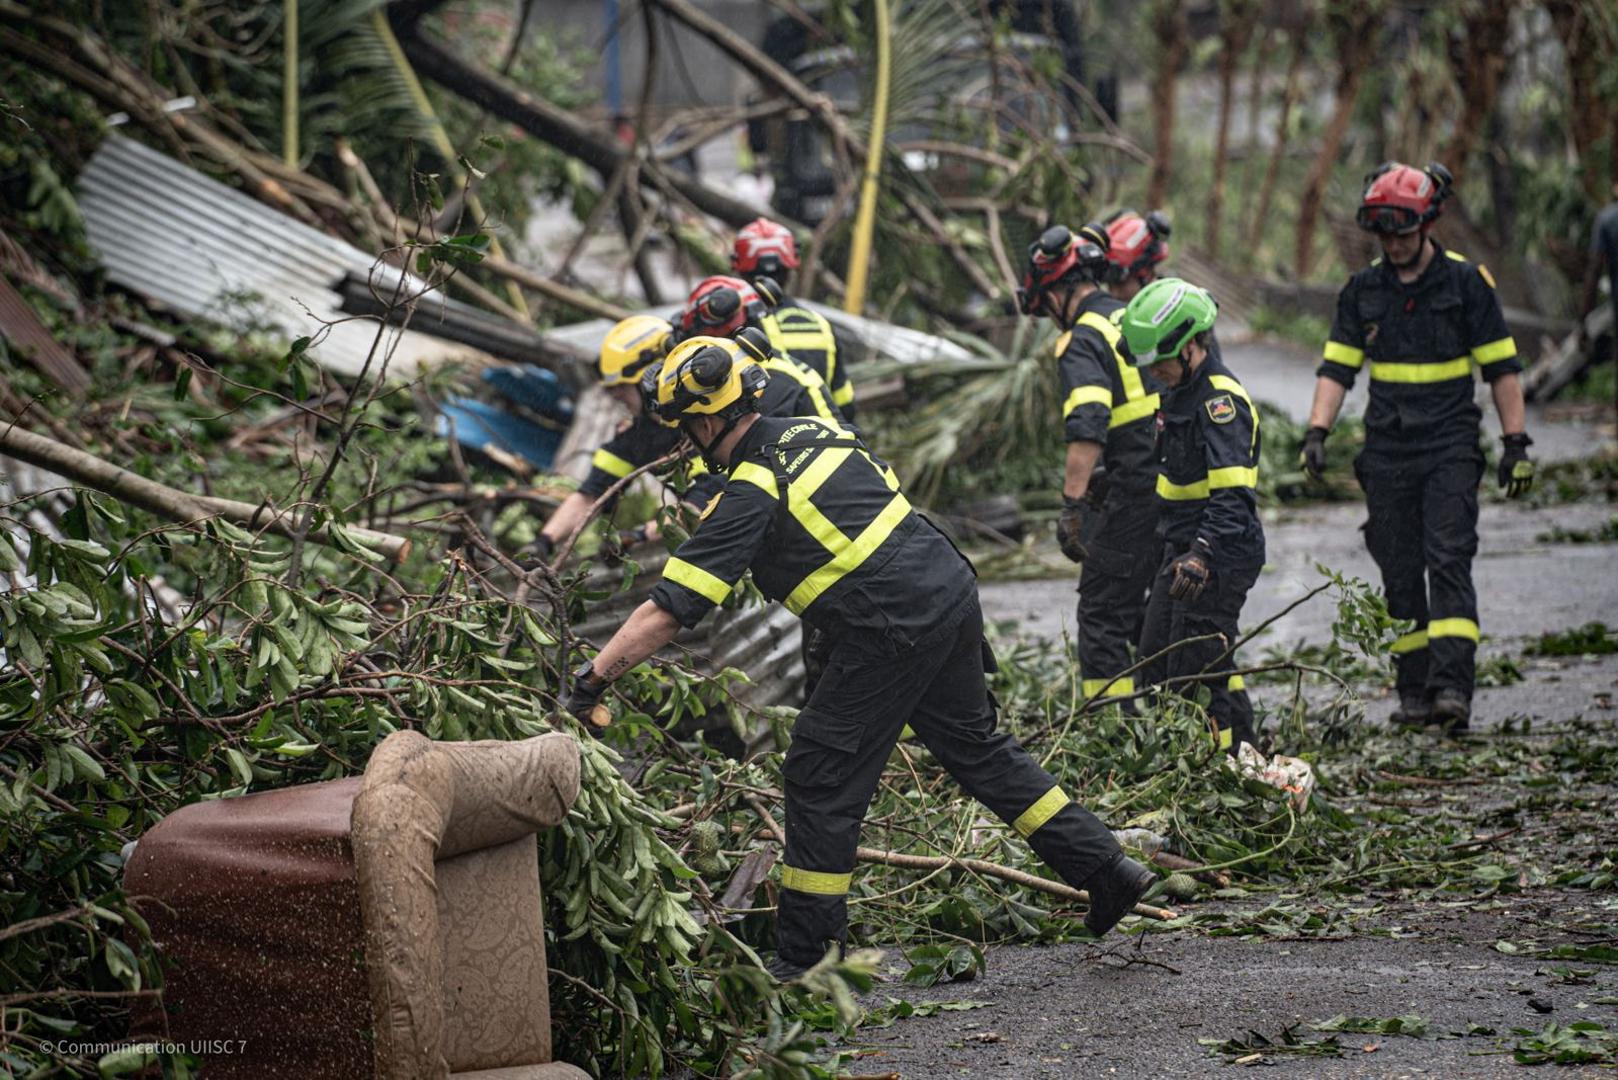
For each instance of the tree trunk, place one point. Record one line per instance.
(1479, 58)
(1236, 21)
(1289, 99)
(1353, 27)
(1173, 47)
(1588, 40)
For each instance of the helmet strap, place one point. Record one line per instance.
(708, 450)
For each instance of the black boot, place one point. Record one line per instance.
(783, 970)
(1452, 709)
(1114, 890)
(1413, 711)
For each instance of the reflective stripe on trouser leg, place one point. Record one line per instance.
(957, 722)
(1450, 511)
(1393, 536)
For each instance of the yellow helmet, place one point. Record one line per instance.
(703, 376)
(630, 346)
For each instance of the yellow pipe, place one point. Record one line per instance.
(440, 140)
(859, 256)
(289, 85)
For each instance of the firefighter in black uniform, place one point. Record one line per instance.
(1422, 318)
(629, 349)
(765, 254)
(1109, 516)
(825, 529)
(1212, 539)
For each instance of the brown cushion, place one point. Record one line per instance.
(254, 908)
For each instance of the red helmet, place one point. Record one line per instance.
(1061, 255)
(720, 306)
(1137, 244)
(1400, 198)
(763, 247)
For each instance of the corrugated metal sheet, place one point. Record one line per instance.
(166, 231)
(20, 326)
(882, 339)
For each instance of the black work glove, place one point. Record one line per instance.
(583, 700)
(1100, 482)
(1069, 525)
(1191, 572)
(619, 543)
(1516, 474)
(1313, 456)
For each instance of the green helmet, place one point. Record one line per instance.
(1163, 317)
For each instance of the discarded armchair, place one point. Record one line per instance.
(385, 926)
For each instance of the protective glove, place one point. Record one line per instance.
(1069, 525)
(624, 539)
(583, 700)
(1191, 572)
(1516, 474)
(1313, 456)
(1100, 483)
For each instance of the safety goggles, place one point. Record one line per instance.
(1388, 220)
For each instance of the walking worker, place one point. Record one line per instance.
(1422, 318)
(1136, 246)
(825, 529)
(1603, 258)
(1212, 542)
(1109, 515)
(766, 249)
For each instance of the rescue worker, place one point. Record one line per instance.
(1109, 515)
(629, 348)
(1423, 317)
(765, 249)
(1136, 247)
(1212, 540)
(825, 529)
(721, 306)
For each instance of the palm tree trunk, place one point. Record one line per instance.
(1289, 99)
(1354, 27)
(1173, 48)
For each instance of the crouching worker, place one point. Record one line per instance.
(1213, 541)
(825, 529)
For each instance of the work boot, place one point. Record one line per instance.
(1114, 890)
(783, 970)
(1413, 711)
(1452, 709)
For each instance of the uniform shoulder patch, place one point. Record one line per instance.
(713, 504)
(1483, 272)
(1221, 409)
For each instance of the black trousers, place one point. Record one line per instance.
(1422, 529)
(1213, 616)
(842, 741)
(1121, 539)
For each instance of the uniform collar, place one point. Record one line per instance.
(748, 445)
(1438, 266)
(1096, 302)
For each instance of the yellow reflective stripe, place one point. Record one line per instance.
(1128, 374)
(1347, 355)
(1063, 342)
(851, 555)
(1236, 682)
(611, 464)
(1225, 738)
(1408, 643)
(1495, 351)
(1461, 628)
(1456, 255)
(1045, 808)
(815, 881)
(1129, 412)
(696, 579)
(818, 525)
(1121, 684)
(1459, 368)
(1233, 476)
(1181, 492)
(750, 473)
(843, 394)
(804, 339)
(1087, 395)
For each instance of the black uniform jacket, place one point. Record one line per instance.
(825, 530)
(1106, 399)
(1421, 342)
(1208, 446)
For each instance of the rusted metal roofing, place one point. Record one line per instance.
(22, 328)
(175, 236)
